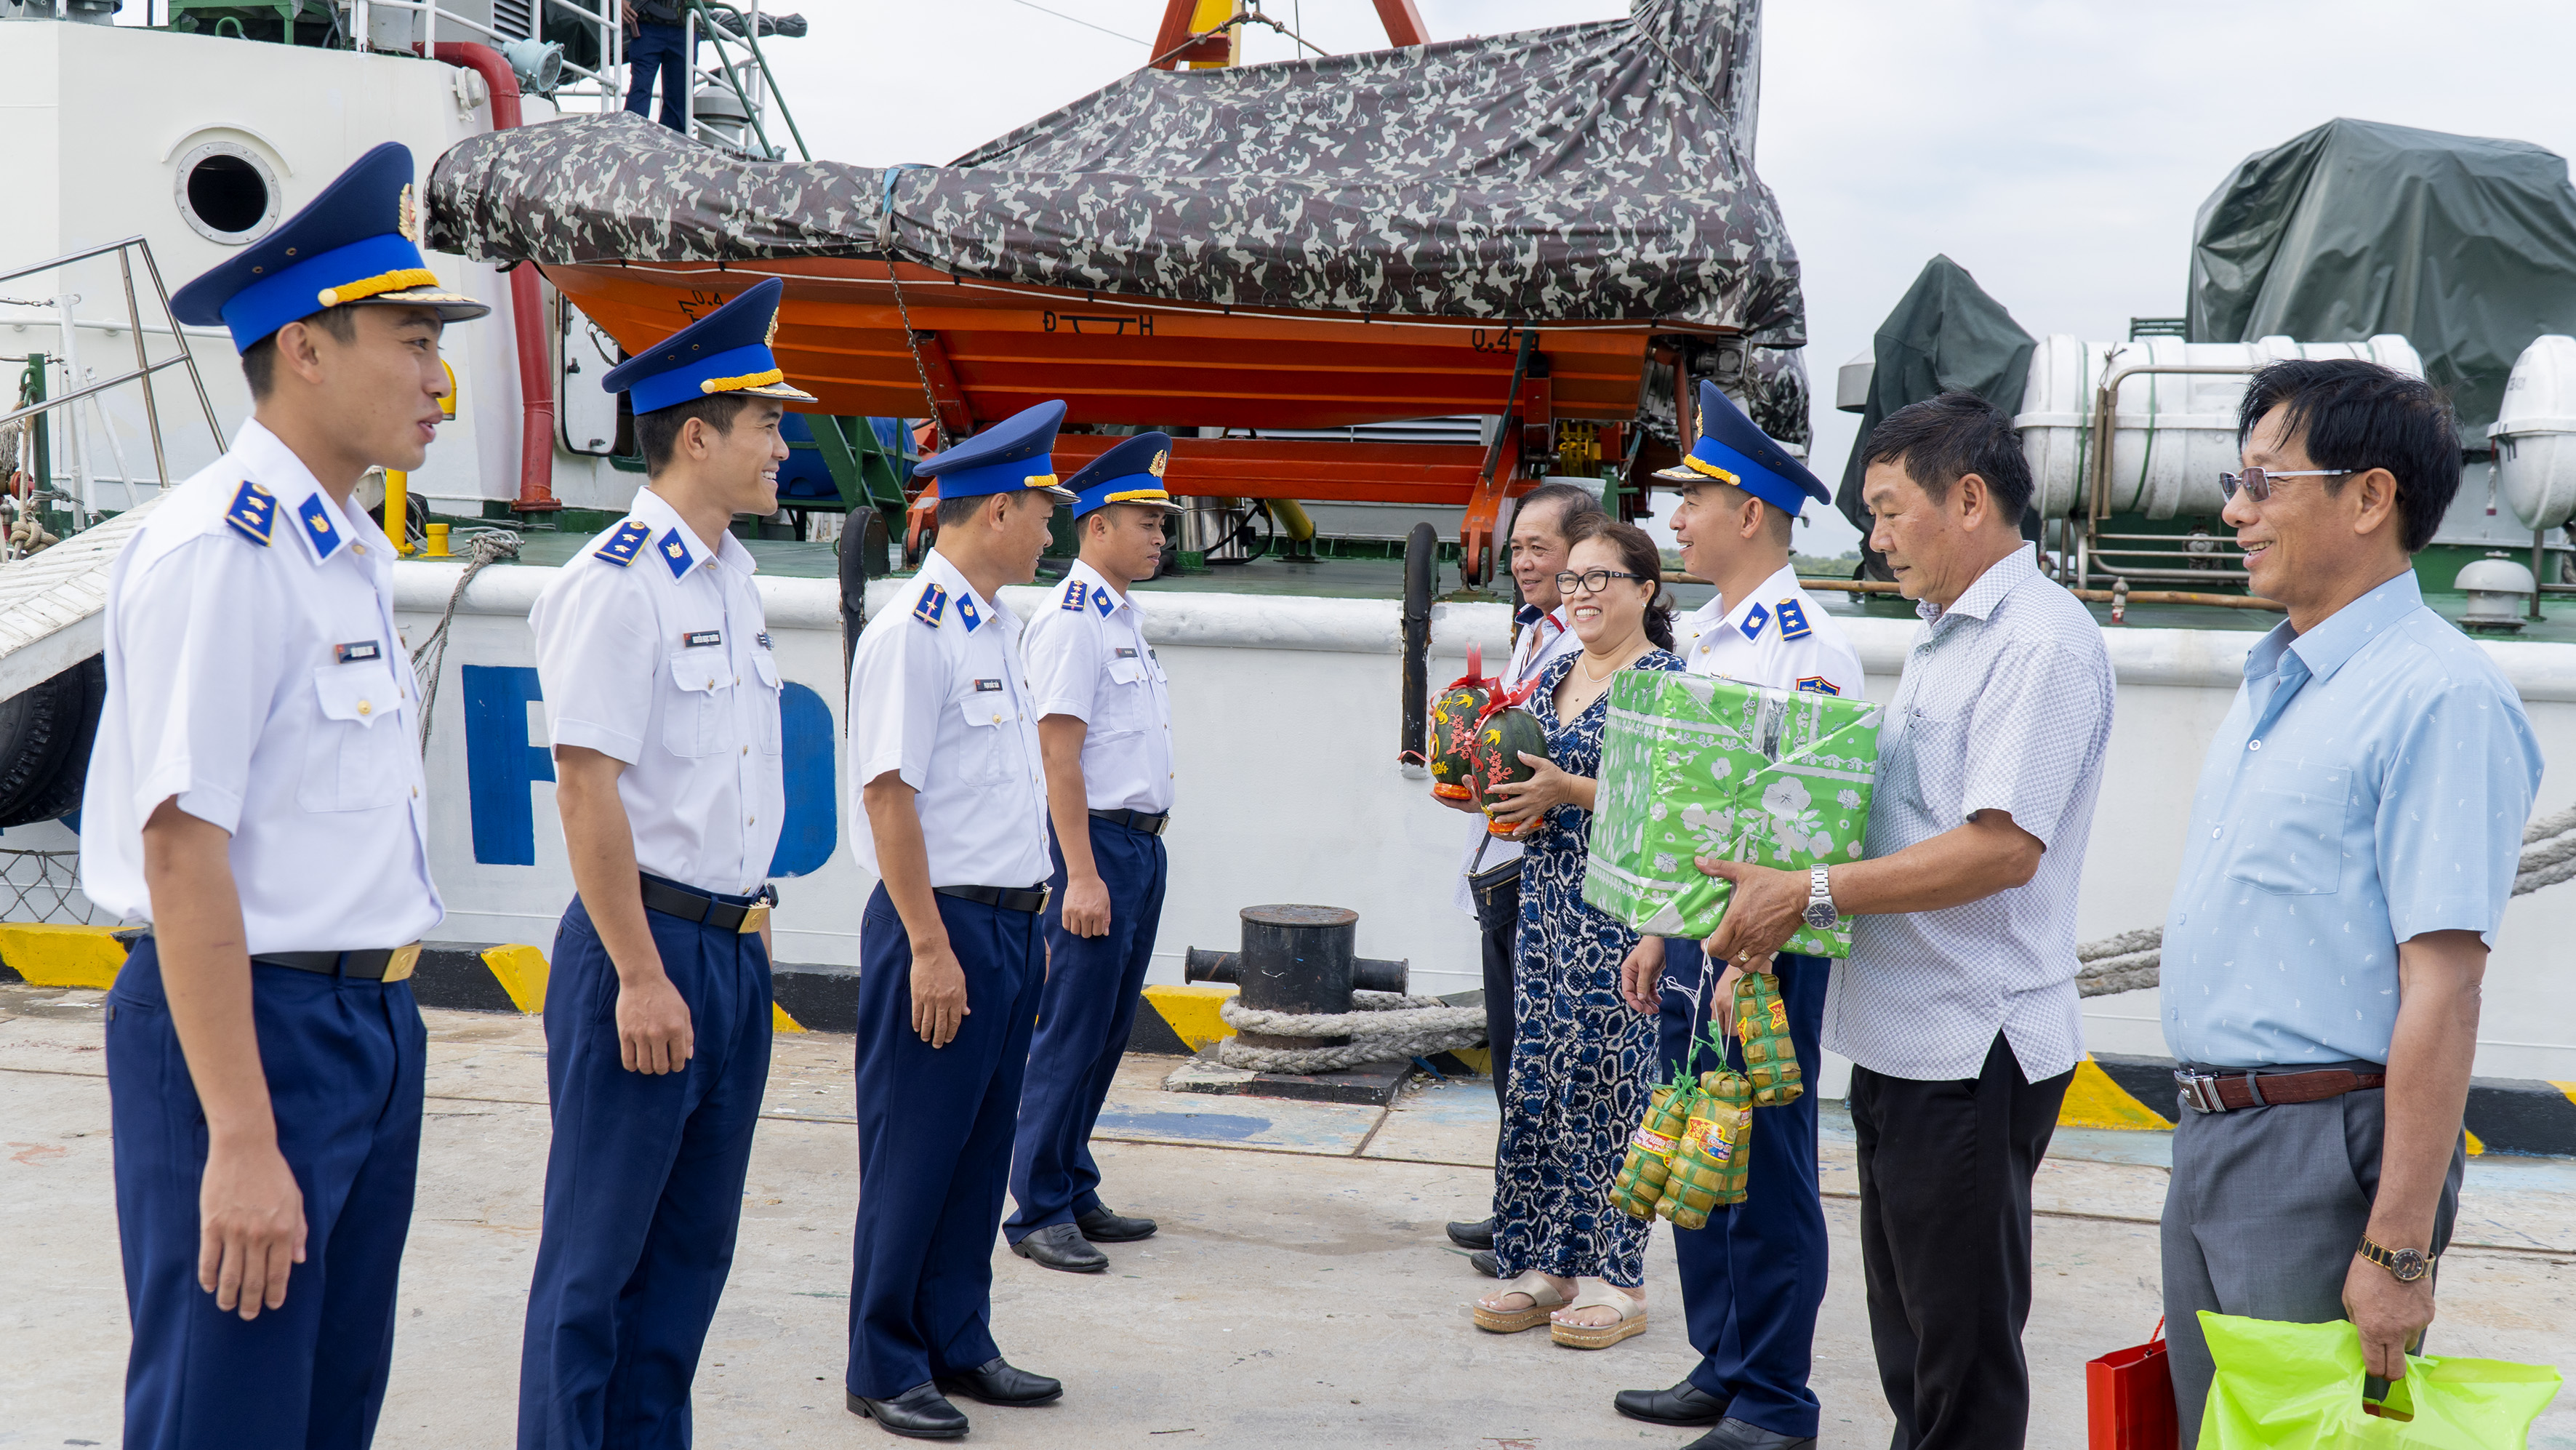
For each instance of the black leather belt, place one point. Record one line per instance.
(376, 964)
(689, 905)
(1136, 820)
(1009, 898)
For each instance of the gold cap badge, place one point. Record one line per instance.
(1161, 458)
(407, 216)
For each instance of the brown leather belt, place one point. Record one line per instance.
(2204, 1092)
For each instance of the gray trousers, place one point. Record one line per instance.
(2261, 1219)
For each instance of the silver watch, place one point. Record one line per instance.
(1820, 901)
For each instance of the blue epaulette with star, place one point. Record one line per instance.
(1074, 595)
(253, 513)
(621, 546)
(932, 601)
(1793, 620)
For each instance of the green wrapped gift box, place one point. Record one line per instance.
(1694, 766)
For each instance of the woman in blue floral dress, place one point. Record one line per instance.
(1582, 1063)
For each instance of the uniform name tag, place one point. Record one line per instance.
(365, 649)
(697, 637)
(1125, 653)
(984, 686)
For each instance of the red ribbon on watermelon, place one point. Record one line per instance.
(1475, 678)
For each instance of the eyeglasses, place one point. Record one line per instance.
(1594, 580)
(2257, 482)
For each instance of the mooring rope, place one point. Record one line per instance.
(2133, 960)
(485, 547)
(1382, 1026)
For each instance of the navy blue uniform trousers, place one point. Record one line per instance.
(659, 51)
(1753, 1279)
(343, 1061)
(935, 1132)
(643, 1188)
(1084, 1016)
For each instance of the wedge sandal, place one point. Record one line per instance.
(1597, 1295)
(1544, 1300)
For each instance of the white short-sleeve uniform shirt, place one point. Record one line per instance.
(652, 649)
(1087, 658)
(938, 695)
(1778, 637)
(254, 676)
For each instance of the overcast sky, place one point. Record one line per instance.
(2056, 150)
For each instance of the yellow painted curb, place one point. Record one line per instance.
(521, 971)
(2475, 1146)
(1479, 1060)
(2093, 1100)
(1191, 1012)
(779, 1021)
(62, 956)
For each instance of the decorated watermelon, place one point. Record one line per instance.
(1504, 734)
(1453, 727)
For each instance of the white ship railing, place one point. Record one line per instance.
(81, 497)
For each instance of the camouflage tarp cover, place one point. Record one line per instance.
(1596, 172)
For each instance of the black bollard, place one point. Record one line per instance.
(1300, 959)
(1371, 974)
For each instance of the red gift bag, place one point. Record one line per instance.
(2128, 1398)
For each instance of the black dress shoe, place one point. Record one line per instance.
(922, 1413)
(1486, 1264)
(995, 1382)
(1683, 1404)
(1060, 1246)
(1737, 1435)
(1103, 1227)
(1472, 1235)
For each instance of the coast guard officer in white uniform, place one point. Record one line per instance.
(1105, 725)
(949, 810)
(1754, 1276)
(662, 702)
(255, 795)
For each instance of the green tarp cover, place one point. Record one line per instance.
(2464, 244)
(1693, 766)
(1945, 335)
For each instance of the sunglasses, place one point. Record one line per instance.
(1593, 580)
(2257, 482)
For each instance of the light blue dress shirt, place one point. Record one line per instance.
(2369, 785)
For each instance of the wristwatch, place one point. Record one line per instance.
(1820, 901)
(2405, 1265)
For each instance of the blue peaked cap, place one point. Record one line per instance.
(1016, 453)
(1130, 472)
(356, 243)
(726, 351)
(1731, 450)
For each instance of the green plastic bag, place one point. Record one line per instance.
(2298, 1387)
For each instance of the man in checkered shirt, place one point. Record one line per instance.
(1958, 1005)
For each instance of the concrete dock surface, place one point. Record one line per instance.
(1300, 1294)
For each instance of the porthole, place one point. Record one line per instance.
(227, 193)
